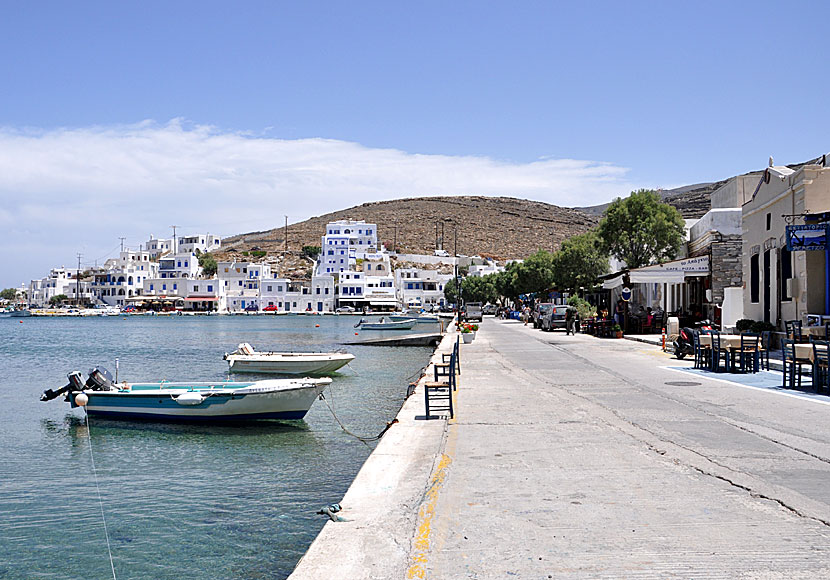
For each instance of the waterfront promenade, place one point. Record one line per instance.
(574, 457)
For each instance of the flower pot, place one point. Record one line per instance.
(467, 337)
(618, 334)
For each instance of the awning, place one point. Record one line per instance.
(201, 299)
(652, 277)
(383, 302)
(613, 282)
(674, 272)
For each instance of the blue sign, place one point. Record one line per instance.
(626, 294)
(807, 237)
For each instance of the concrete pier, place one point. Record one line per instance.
(575, 457)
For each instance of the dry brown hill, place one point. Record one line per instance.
(498, 227)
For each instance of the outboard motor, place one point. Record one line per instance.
(76, 383)
(100, 379)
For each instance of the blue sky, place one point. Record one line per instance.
(223, 117)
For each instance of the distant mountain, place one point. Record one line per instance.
(498, 227)
(692, 201)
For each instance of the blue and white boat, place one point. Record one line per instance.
(286, 399)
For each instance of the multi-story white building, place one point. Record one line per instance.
(373, 288)
(60, 281)
(158, 247)
(418, 287)
(202, 242)
(124, 277)
(179, 265)
(251, 286)
(341, 243)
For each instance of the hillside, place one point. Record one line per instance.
(498, 227)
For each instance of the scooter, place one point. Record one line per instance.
(684, 344)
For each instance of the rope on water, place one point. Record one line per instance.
(364, 440)
(98, 488)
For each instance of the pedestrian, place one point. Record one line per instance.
(619, 312)
(570, 319)
(526, 314)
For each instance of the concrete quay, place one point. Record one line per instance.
(576, 457)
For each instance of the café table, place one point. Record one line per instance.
(731, 342)
(804, 351)
(817, 331)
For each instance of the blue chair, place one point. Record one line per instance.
(748, 355)
(698, 350)
(793, 329)
(763, 350)
(792, 365)
(718, 353)
(821, 365)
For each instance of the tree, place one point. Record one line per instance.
(58, 299)
(451, 291)
(641, 229)
(479, 289)
(208, 264)
(535, 274)
(579, 261)
(8, 294)
(311, 252)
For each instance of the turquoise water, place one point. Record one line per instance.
(181, 501)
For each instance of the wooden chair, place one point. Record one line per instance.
(792, 365)
(698, 349)
(438, 393)
(748, 353)
(718, 353)
(821, 365)
(793, 330)
(763, 349)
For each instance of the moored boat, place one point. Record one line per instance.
(384, 324)
(247, 360)
(286, 399)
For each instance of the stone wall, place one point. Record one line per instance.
(726, 265)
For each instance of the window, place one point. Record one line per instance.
(175, 286)
(327, 291)
(240, 282)
(269, 289)
(151, 287)
(210, 288)
(185, 264)
(164, 286)
(318, 290)
(769, 220)
(786, 273)
(754, 279)
(196, 288)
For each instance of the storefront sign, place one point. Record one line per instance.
(807, 237)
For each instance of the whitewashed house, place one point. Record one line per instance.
(123, 277)
(418, 287)
(342, 242)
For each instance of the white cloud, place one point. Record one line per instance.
(77, 190)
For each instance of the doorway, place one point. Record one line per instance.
(767, 285)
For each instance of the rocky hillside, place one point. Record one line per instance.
(498, 227)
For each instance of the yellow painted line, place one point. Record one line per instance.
(426, 513)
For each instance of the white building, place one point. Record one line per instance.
(341, 243)
(202, 242)
(124, 277)
(158, 247)
(59, 281)
(179, 265)
(241, 284)
(418, 288)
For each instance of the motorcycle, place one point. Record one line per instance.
(684, 344)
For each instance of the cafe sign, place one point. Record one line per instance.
(807, 237)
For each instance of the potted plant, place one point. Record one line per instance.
(617, 330)
(468, 332)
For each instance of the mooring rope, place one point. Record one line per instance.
(364, 440)
(98, 488)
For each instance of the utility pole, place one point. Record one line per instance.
(122, 243)
(286, 235)
(442, 236)
(395, 248)
(457, 278)
(436, 235)
(78, 282)
(174, 238)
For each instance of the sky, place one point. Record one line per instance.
(121, 119)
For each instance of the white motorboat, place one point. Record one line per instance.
(247, 360)
(287, 399)
(384, 324)
(421, 319)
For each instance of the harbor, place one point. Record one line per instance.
(577, 457)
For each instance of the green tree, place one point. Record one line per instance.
(641, 229)
(58, 299)
(535, 274)
(479, 289)
(8, 294)
(579, 261)
(451, 291)
(208, 264)
(311, 252)
(505, 282)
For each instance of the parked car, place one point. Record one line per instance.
(537, 312)
(472, 311)
(554, 318)
(345, 310)
(271, 308)
(442, 253)
(541, 311)
(489, 309)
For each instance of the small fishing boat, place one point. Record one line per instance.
(384, 324)
(422, 319)
(286, 399)
(16, 313)
(247, 360)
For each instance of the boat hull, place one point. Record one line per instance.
(141, 402)
(396, 325)
(287, 364)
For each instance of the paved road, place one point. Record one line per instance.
(573, 457)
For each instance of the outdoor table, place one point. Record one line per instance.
(804, 351)
(817, 331)
(730, 342)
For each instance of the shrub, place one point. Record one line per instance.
(761, 326)
(744, 324)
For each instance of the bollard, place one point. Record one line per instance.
(664, 339)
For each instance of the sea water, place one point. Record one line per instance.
(180, 501)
